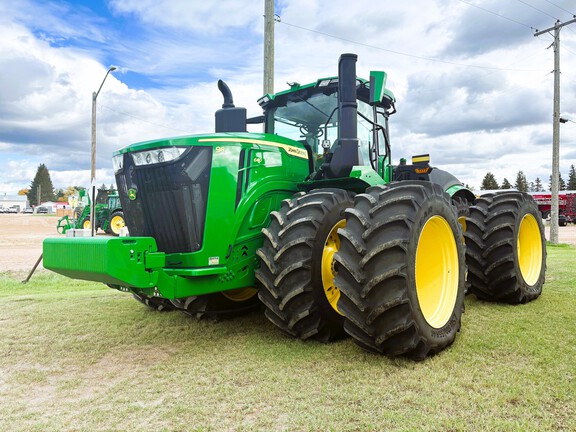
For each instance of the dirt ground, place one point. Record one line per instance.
(21, 238)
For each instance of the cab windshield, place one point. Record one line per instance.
(314, 121)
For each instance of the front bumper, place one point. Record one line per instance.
(132, 263)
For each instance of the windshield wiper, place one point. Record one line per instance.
(313, 106)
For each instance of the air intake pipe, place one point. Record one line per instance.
(229, 118)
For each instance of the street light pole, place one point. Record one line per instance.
(93, 164)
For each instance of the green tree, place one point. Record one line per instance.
(521, 182)
(41, 187)
(60, 195)
(572, 178)
(506, 184)
(538, 185)
(63, 194)
(489, 182)
(561, 182)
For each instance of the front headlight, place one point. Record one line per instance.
(149, 157)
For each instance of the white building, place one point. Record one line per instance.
(19, 201)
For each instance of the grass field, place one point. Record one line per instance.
(79, 356)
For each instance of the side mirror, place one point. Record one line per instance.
(377, 86)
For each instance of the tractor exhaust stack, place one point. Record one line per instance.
(229, 118)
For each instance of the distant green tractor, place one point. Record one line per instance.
(313, 220)
(108, 213)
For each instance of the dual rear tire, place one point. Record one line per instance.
(505, 248)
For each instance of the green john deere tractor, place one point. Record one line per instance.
(108, 213)
(311, 219)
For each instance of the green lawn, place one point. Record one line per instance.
(79, 356)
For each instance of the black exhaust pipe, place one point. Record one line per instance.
(345, 154)
(226, 93)
(229, 118)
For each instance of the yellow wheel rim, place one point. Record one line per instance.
(437, 271)
(86, 224)
(240, 294)
(462, 222)
(331, 246)
(116, 224)
(529, 249)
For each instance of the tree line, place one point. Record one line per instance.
(489, 182)
(41, 189)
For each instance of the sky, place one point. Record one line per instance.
(474, 87)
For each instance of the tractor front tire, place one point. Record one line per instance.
(156, 303)
(297, 265)
(401, 270)
(116, 223)
(86, 224)
(506, 249)
(219, 305)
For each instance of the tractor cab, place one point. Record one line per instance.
(312, 115)
(342, 122)
(113, 202)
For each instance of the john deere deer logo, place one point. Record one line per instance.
(131, 194)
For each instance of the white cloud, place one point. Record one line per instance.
(206, 17)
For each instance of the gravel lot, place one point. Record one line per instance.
(21, 238)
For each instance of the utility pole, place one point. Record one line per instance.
(268, 46)
(555, 129)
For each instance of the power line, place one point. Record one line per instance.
(498, 14)
(559, 7)
(566, 49)
(403, 53)
(539, 10)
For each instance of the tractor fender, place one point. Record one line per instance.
(451, 185)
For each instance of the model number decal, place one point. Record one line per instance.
(291, 150)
